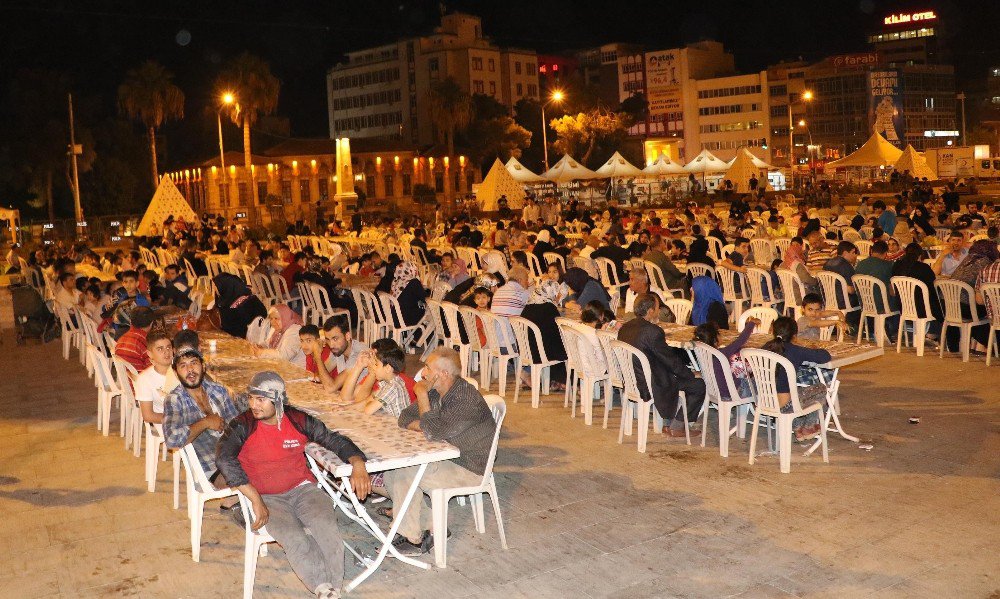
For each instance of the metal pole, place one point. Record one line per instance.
(77, 210)
(961, 97)
(545, 139)
(222, 161)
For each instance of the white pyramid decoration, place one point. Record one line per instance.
(499, 182)
(167, 201)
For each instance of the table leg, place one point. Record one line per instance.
(832, 389)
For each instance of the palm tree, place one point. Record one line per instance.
(148, 95)
(451, 108)
(256, 89)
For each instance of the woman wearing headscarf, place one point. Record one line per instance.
(237, 305)
(411, 294)
(543, 246)
(982, 254)
(698, 251)
(542, 311)
(283, 343)
(585, 289)
(495, 262)
(708, 303)
(795, 261)
(385, 283)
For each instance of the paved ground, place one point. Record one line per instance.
(585, 517)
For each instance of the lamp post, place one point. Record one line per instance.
(806, 96)
(809, 148)
(961, 98)
(557, 97)
(227, 100)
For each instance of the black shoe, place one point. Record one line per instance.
(405, 547)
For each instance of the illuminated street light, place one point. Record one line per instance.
(557, 97)
(806, 96)
(227, 99)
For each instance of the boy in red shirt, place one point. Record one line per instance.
(309, 339)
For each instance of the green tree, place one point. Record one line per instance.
(636, 107)
(249, 78)
(583, 132)
(148, 95)
(450, 109)
(492, 132)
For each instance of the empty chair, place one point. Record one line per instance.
(954, 294)
(766, 316)
(680, 308)
(762, 291)
(583, 373)
(609, 275)
(910, 309)
(864, 247)
(107, 390)
(869, 288)
(724, 394)
(763, 365)
(130, 414)
(780, 245)
(477, 353)
(199, 490)
(527, 335)
(453, 334)
(792, 292)
(323, 308)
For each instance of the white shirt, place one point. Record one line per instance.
(70, 300)
(289, 348)
(151, 386)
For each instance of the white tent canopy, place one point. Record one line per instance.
(913, 161)
(617, 166)
(167, 201)
(663, 167)
(499, 182)
(874, 153)
(521, 174)
(744, 166)
(705, 162)
(568, 169)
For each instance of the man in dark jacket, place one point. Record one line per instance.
(670, 374)
(262, 454)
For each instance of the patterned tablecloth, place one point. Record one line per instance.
(368, 283)
(842, 353)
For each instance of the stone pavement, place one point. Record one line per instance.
(585, 517)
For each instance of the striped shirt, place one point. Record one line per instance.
(132, 348)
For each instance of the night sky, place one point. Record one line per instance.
(96, 42)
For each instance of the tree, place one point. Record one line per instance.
(148, 95)
(586, 130)
(249, 78)
(492, 132)
(636, 107)
(450, 108)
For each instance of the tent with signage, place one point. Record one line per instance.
(875, 153)
(567, 170)
(499, 182)
(521, 174)
(663, 167)
(705, 163)
(914, 162)
(744, 166)
(167, 201)
(617, 167)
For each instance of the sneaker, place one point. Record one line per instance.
(405, 547)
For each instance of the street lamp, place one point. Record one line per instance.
(557, 97)
(806, 96)
(809, 148)
(227, 100)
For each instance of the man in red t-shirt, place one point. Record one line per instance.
(310, 342)
(262, 453)
(131, 347)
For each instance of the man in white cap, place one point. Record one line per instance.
(262, 454)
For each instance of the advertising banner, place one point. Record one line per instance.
(885, 106)
(663, 82)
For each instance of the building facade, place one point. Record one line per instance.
(381, 93)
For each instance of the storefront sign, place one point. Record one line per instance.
(863, 59)
(905, 18)
(663, 82)
(885, 106)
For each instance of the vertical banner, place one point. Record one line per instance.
(885, 106)
(663, 82)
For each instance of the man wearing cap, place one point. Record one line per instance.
(131, 347)
(196, 412)
(262, 454)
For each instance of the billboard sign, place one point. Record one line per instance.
(885, 106)
(905, 18)
(848, 61)
(663, 82)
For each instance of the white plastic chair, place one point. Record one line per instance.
(308, 302)
(199, 490)
(781, 246)
(657, 282)
(130, 415)
(477, 353)
(453, 338)
(585, 375)
(835, 286)
(402, 333)
(991, 292)
(764, 366)
(608, 274)
(625, 357)
(952, 293)
(554, 258)
(540, 370)
(705, 354)
(255, 544)
(763, 250)
(156, 448)
(762, 292)
(534, 266)
(867, 287)
(322, 308)
(730, 294)
(906, 288)
(864, 247)
(715, 248)
(766, 316)
(491, 323)
(792, 292)
(107, 390)
(440, 497)
(681, 309)
(72, 335)
(697, 269)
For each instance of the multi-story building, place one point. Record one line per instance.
(382, 92)
(909, 38)
(599, 68)
(733, 113)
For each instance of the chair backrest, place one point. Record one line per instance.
(952, 293)
(608, 272)
(681, 309)
(850, 234)
(705, 354)
(715, 248)
(281, 293)
(833, 285)
(534, 266)
(655, 274)
(767, 316)
(728, 280)
(864, 247)
(498, 407)
(246, 273)
(627, 357)
(265, 288)
(192, 467)
(306, 295)
(991, 293)
(440, 289)
(469, 319)
(781, 245)
(867, 287)
(103, 379)
(524, 331)
(604, 339)
(759, 282)
(391, 309)
(570, 342)
(697, 269)
(554, 258)
(792, 287)
(125, 373)
(451, 320)
(588, 265)
(762, 250)
(763, 365)
(371, 306)
(437, 318)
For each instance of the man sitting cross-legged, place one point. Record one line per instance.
(262, 454)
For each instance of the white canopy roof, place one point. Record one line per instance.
(499, 182)
(617, 166)
(913, 161)
(521, 174)
(706, 162)
(874, 153)
(568, 169)
(744, 166)
(757, 162)
(663, 167)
